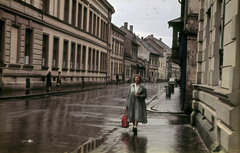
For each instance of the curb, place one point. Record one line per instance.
(91, 145)
(151, 103)
(176, 113)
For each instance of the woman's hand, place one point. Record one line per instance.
(136, 95)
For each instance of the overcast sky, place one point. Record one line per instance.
(147, 16)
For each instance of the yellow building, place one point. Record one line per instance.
(117, 53)
(37, 36)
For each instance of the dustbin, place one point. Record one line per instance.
(172, 87)
(168, 94)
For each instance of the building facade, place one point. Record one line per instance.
(184, 49)
(70, 36)
(216, 93)
(131, 51)
(117, 54)
(164, 63)
(127, 67)
(147, 53)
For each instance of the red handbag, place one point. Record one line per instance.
(124, 121)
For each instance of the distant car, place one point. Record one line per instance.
(172, 81)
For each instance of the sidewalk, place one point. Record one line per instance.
(167, 105)
(168, 131)
(44, 92)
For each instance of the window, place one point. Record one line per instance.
(45, 50)
(97, 26)
(97, 59)
(116, 48)
(72, 63)
(74, 12)
(89, 58)
(101, 29)
(90, 22)
(55, 52)
(78, 56)
(106, 31)
(66, 10)
(58, 8)
(112, 45)
(85, 19)
(65, 54)
(103, 62)
(79, 15)
(1, 41)
(28, 47)
(94, 24)
(213, 121)
(220, 30)
(115, 68)
(84, 57)
(46, 6)
(93, 60)
(14, 45)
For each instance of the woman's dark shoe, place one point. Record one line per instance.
(134, 130)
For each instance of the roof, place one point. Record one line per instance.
(129, 34)
(161, 54)
(140, 63)
(147, 46)
(161, 43)
(108, 5)
(116, 28)
(175, 22)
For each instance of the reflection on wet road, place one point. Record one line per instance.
(164, 133)
(62, 123)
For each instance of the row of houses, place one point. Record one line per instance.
(206, 46)
(77, 38)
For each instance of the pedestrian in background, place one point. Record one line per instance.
(59, 81)
(136, 106)
(117, 79)
(49, 81)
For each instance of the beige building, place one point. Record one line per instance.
(38, 36)
(117, 53)
(164, 63)
(217, 90)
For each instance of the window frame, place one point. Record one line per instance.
(28, 46)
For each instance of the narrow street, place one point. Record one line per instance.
(63, 123)
(168, 131)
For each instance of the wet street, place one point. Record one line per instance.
(63, 123)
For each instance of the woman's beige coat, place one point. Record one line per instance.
(137, 106)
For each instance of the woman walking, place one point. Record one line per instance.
(49, 81)
(136, 106)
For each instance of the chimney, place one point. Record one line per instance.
(131, 28)
(142, 38)
(126, 25)
(160, 39)
(152, 35)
